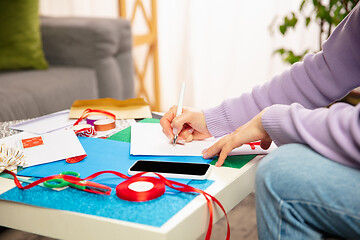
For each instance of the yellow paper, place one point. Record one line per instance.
(125, 109)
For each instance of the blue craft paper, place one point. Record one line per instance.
(154, 213)
(103, 154)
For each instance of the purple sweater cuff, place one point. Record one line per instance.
(274, 122)
(216, 124)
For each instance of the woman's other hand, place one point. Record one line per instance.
(249, 132)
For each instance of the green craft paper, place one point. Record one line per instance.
(125, 134)
(237, 161)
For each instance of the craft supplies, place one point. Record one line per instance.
(46, 148)
(84, 130)
(137, 196)
(125, 109)
(252, 144)
(45, 124)
(76, 159)
(104, 124)
(104, 154)
(65, 179)
(81, 185)
(10, 158)
(100, 122)
(93, 118)
(140, 190)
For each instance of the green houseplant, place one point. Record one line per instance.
(327, 14)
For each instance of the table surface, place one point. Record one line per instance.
(230, 187)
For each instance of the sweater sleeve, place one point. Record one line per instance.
(333, 132)
(319, 80)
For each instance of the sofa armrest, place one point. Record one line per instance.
(84, 41)
(104, 45)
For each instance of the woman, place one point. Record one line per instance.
(309, 186)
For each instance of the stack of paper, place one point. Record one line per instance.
(148, 139)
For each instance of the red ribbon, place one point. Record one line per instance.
(252, 144)
(88, 111)
(88, 132)
(85, 132)
(157, 191)
(124, 192)
(75, 159)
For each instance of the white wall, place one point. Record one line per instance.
(221, 48)
(81, 8)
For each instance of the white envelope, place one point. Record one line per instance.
(56, 145)
(148, 139)
(46, 123)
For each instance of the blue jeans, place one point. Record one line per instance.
(302, 195)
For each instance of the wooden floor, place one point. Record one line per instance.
(242, 225)
(242, 220)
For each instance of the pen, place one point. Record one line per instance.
(179, 108)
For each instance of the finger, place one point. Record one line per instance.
(223, 154)
(215, 148)
(199, 136)
(186, 134)
(166, 121)
(178, 122)
(167, 135)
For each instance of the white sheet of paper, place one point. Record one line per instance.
(57, 145)
(148, 139)
(46, 123)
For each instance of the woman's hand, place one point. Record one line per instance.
(190, 125)
(249, 132)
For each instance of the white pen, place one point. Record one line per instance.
(179, 108)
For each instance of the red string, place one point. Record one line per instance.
(156, 191)
(252, 144)
(88, 111)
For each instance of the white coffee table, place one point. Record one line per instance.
(230, 187)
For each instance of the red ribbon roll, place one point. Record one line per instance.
(104, 124)
(124, 191)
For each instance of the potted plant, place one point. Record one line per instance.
(327, 15)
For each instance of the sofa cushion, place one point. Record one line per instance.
(32, 93)
(20, 38)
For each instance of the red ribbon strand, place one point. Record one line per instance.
(252, 144)
(124, 192)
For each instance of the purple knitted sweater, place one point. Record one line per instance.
(297, 98)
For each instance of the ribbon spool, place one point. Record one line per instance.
(87, 130)
(140, 189)
(84, 130)
(93, 118)
(104, 124)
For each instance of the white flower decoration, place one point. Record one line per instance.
(10, 158)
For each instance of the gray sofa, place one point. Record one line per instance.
(88, 58)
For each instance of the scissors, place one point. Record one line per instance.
(71, 179)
